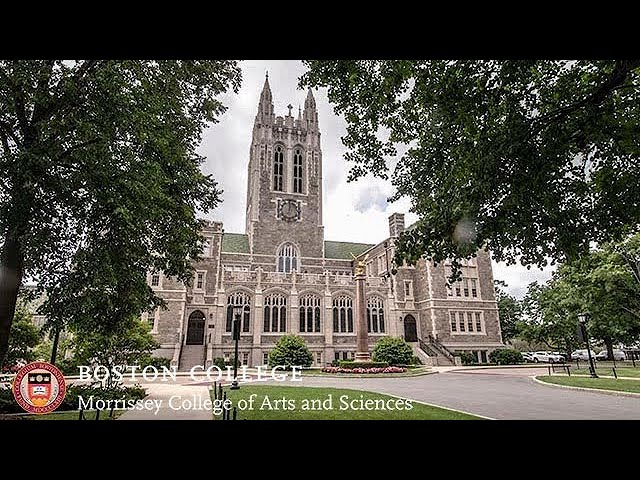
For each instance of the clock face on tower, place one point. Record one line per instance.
(289, 210)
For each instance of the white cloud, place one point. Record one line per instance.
(355, 211)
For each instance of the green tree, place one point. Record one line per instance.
(100, 181)
(509, 311)
(505, 356)
(24, 337)
(550, 315)
(606, 284)
(130, 344)
(601, 283)
(531, 159)
(393, 350)
(291, 350)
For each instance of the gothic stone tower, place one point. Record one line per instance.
(284, 196)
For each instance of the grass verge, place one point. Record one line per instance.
(265, 402)
(619, 385)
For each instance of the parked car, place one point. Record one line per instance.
(527, 356)
(560, 355)
(547, 357)
(582, 355)
(617, 355)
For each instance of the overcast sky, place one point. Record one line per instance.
(353, 212)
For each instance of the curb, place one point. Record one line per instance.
(586, 389)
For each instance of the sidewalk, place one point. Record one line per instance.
(175, 402)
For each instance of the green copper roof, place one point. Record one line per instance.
(343, 250)
(239, 243)
(235, 243)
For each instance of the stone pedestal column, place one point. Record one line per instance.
(362, 335)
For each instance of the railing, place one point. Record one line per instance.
(425, 347)
(444, 351)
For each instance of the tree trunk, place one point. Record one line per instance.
(609, 345)
(11, 266)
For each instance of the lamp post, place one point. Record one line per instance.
(238, 310)
(582, 318)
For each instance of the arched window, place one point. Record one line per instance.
(278, 169)
(309, 314)
(375, 315)
(242, 299)
(297, 171)
(288, 258)
(343, 314)
(275, 313)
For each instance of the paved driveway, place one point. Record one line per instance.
(501, 396)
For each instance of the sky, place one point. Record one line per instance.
(353, 212)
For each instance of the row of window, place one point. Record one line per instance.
(309, 314)
(466, 322)
(278, 170)
(466, 287)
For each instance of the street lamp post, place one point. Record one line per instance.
(238, 310)
(582, 318)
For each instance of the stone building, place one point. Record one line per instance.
(291, 280)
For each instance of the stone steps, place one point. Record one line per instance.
(191, 356)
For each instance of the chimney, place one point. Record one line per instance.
(396, 224)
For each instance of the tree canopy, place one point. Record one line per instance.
(100, 181)
(531, 159)
(509, 311)
(601, 284)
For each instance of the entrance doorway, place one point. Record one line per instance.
(410, 331)
(195, 328)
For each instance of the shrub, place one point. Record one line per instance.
(157, 362)
(505, 356)
(68, 366)
(467, 358)
(289, 351)
(416, 361)
(393, 350)
(220, 363)
(352, 364)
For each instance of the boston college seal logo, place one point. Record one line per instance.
(39, 387)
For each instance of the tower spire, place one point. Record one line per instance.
(265, 106)
(310, 113)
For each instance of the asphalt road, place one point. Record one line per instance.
(497, 394)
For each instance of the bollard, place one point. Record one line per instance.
(578, 364)
(633, 360)
(568, 370)
(549, 368)
(235, 413)
(614, 372)
(111, 412)
(98, 414)
(80, 416)
(220, 390)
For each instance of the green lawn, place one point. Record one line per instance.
(606, 370)
(73, 415)
(599, 383)
(288, 403)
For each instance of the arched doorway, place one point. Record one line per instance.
(410, 331)
(195, 328)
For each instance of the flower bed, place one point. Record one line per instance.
(364, 370)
